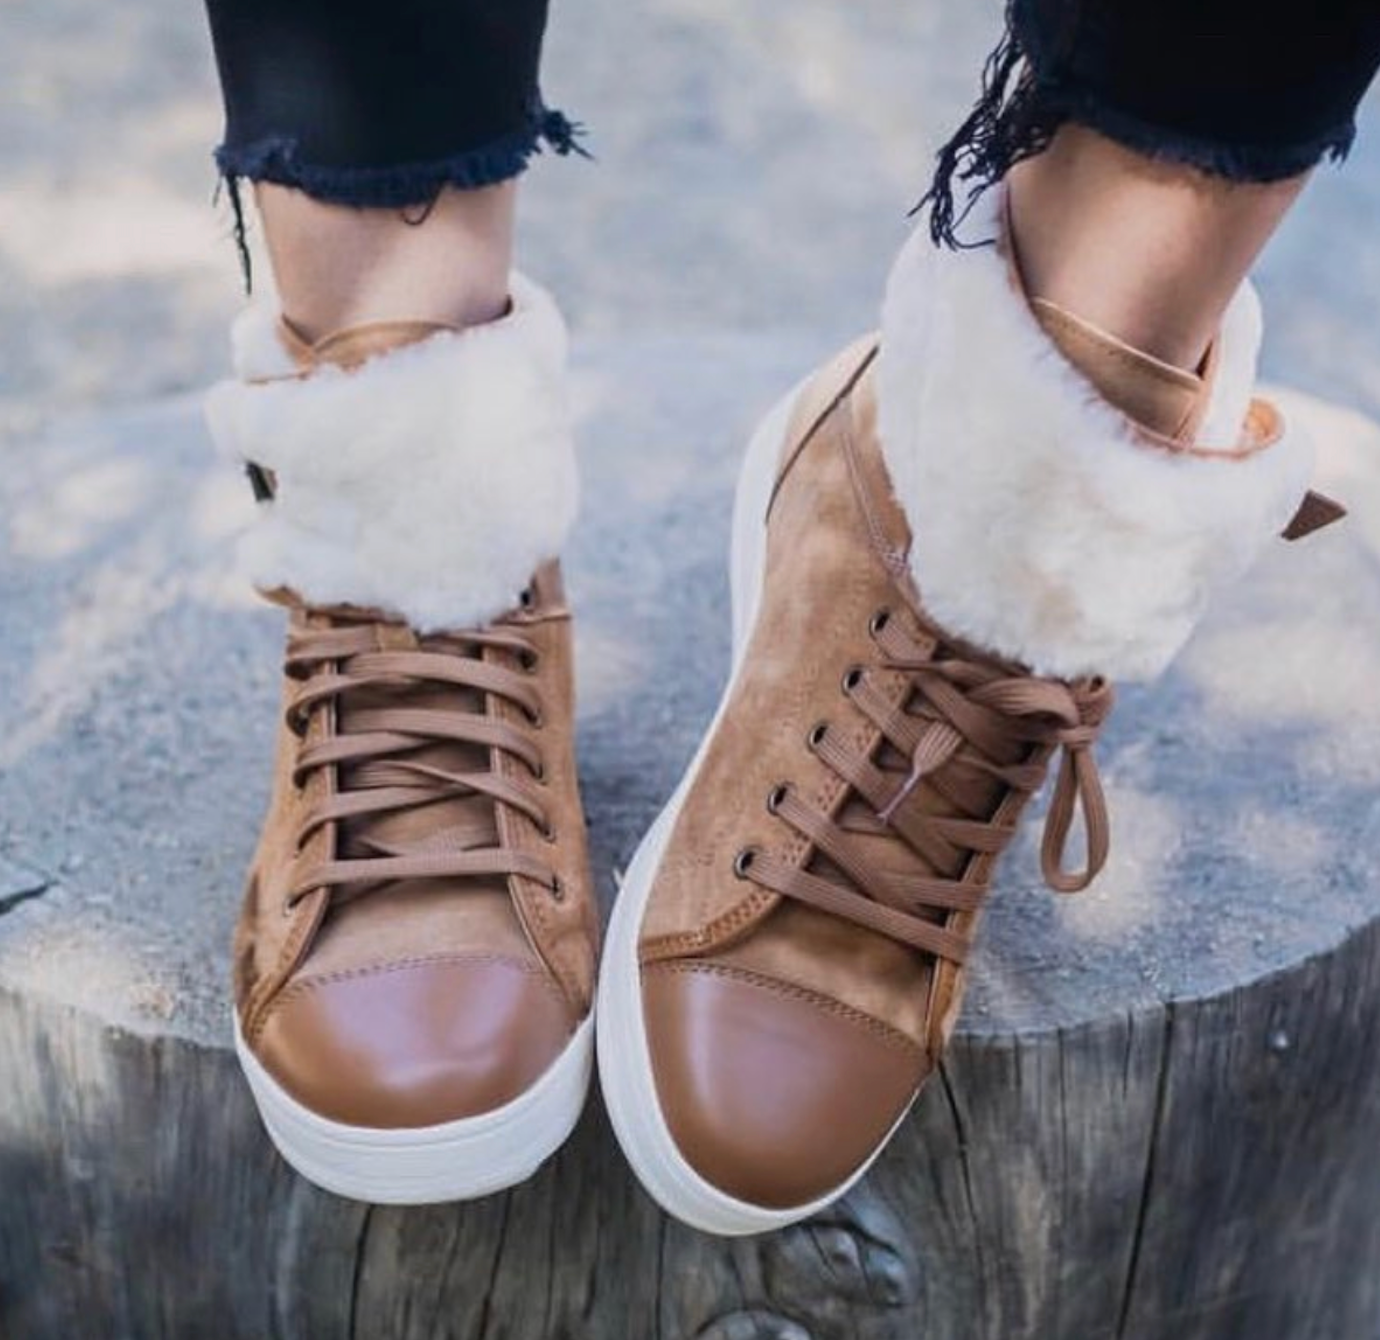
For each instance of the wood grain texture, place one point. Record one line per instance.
(1209, 1171)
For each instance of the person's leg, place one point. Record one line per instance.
(944, 550)
(383, 145)
(1153, 148)
(414, 963)
(338, 266)
(1150, 252)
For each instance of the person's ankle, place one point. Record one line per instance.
(474, 305)
(1151, 253)
(337, 268)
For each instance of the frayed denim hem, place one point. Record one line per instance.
(1234, 162)
(395, 186)
(1018, 112)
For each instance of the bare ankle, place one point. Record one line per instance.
(1150, 252)
(337, 266)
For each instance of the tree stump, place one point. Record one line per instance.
(1160, 1116)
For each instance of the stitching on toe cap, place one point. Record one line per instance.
(306, 985)
(792, 991)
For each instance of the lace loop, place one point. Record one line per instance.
(1078, 789)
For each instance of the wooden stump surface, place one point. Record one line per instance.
(1161, 1114)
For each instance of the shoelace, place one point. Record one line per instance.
(378, 752)
(986, 721)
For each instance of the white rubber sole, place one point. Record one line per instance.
(625, 1069)
(459, 1160)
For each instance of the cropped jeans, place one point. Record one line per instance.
(372, 104)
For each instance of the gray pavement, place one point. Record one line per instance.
(754, 167)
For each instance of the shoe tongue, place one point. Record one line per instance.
(454, 824)
(354, 345)
(1169, 401)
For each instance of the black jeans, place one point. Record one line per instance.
(381, 102)
(1251, 90)
(370, 103)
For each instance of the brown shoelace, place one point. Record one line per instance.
(386, 760)
(970, 724)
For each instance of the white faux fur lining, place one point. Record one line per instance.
(430, 482)
(1045, 527)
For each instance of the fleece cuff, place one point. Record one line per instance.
(1047, 526)
(429, 482)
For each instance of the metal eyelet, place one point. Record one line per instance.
(816, 735)
(852, 678)
(743, 862)
(775, 796)
(879, 621)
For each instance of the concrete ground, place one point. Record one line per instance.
(754, 168)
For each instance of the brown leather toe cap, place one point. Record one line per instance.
(414, 1044)
(773, 1094)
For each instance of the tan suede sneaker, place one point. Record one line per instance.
(415, 958)
(786, 958)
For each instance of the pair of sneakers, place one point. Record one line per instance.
(945, 543)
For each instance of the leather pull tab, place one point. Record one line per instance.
(1315, 511)
(1171, 402)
